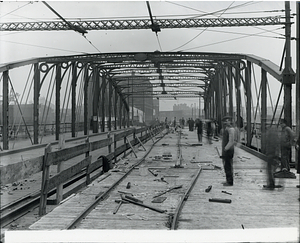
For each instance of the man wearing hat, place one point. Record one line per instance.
(286, 142)
(228, 149)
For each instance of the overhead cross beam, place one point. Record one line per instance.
(140, 24)
(158, 93)
(154, 85)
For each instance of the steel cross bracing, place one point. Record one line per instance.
(154, 85)
(150, 71)
(140, 24)
(164, 65)
(158, 93)
(166, 77)
(155, 57)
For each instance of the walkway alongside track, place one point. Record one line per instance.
(250, 205)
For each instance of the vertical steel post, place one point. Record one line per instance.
(223, 90)
(36, 96)
(144, 109)
(103, 102)
(263, 109)
(288, 73)
(110, 97)
(219, 93)
(249, 99)
(298, 68)
(238, 94)
(85, 101)
(120, 113)
(5, 106)
(199, 106)
(115, 108)
(126, 116)
(95, 99)
(57, 101)
(74, 83)
(230, 85)
(132, 114)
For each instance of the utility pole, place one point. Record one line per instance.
(288, 77)
(298, 68)
(297, 73)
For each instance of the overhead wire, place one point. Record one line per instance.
(248, 3)
(51, 47)
(246, 34)
(212, 13)
(198, 34)
(207, 27)
(47, 47)
(219, 42)
(1, 16)
(91, 43)
(73, 27)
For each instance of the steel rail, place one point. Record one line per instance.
(104, 195)
(21, 207)
(17, 209)
(182, 201)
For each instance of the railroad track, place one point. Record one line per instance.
(19, 208)
(124, 204)
(22, 206)
(119, 199)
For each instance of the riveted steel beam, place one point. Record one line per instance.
(140, 24)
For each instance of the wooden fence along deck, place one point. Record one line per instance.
(122, 142)
(252, 210)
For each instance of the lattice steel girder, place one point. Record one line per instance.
(102, 58)
(140, 24)
(166, 77)
(175, 97)
(158, 96)
(162, 65)
(159, 92)
(154, 85)
(149, 71)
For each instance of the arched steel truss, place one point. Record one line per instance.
(109, 78)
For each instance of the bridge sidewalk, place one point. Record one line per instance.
(251, 207)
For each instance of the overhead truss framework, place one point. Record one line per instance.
(140, 24)
(117, 78)
(157, 70)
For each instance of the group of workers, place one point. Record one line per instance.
(279, 143)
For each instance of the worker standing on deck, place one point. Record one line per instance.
(228, 150)
(287, 139)
(209, 131)
(199, 126)
(272, 152)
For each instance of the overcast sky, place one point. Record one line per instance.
(263, 41)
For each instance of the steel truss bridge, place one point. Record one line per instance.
(106, 85)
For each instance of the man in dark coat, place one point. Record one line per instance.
(228, 150)
(199, 125)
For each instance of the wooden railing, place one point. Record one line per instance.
(121, 142)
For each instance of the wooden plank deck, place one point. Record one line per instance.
(251, 206)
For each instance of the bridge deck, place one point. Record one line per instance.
(251, 206)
